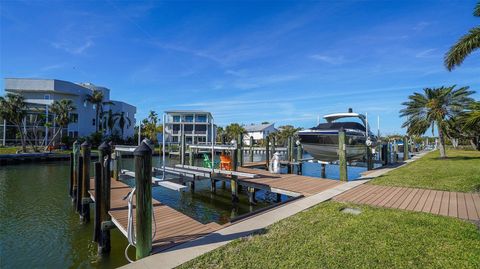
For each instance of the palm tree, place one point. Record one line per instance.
(233, 130)
(472, 116)
(435, 106)
(61, 109)
(122, 120)
(464, 46)
(14, 109)
(110, 119)
(96, 98)
(284, 132)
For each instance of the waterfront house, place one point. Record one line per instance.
(258, 132)
(197, 126)
(39, 95)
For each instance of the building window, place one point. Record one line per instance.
(201, 118)
(46, 97)
(189, 118)
(73, 117)
(93, 122)
(176, 118)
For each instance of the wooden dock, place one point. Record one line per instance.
(172, 226)
(453, 204)
(284, 183)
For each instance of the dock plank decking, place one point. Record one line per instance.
(172, 226)
(303, 185)
(453, 204)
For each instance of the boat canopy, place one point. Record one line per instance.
(333, 117)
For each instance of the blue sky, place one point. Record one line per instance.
(285, 62)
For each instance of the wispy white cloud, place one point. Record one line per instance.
(73, 47)
(425, 53)
(421, 25)
(52, 67)
(335, 60)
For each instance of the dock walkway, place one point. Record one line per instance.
(453, 204)
(172, 226)
(283, 183)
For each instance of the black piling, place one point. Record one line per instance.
(143, 181)
(85, 201)
(98, 199)
(104, 246)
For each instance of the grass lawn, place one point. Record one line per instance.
(324, 237)
(13, 150)
(459, 172)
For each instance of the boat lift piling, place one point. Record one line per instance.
(72, 165)
(78, 198)
(405, 148)
(342, 155)
(104, 245)
(85, 196)
(240, 150)
(273, 145)
(98, 197)
(251, 150)
(267, 152)
(143, 178)
(74, 172)
(234, 178)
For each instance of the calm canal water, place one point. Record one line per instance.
(39, 228)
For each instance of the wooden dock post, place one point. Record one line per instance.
(251, 150)
(267, 152)
(324, 171)
(76, 154)
(288, 149)
(117, 165)
(405, 148)
(72, 168)
(78, 201)
(299, 158)
(369, 158)
(240, 150)
(273, 145)
(395, 152)
(299, 151)
(342, 155)
(104, 158)
(251, 196)
(97, 222)
(182, 148)
(233, 181)
(190, 156)
(290, 159)
(143, 181)
(85, 203)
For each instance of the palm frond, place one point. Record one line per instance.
(476, 10)
(464, 47)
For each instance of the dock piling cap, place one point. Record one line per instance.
(105, 147)
(86, 144)
(142, 150)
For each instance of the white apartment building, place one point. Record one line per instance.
(39, 94)
(197, 126)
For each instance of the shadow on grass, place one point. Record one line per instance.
(457, 158)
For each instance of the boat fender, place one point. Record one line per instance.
(274, 166)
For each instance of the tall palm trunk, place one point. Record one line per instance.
(96, 119)
(22, 139)
(441, 137)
